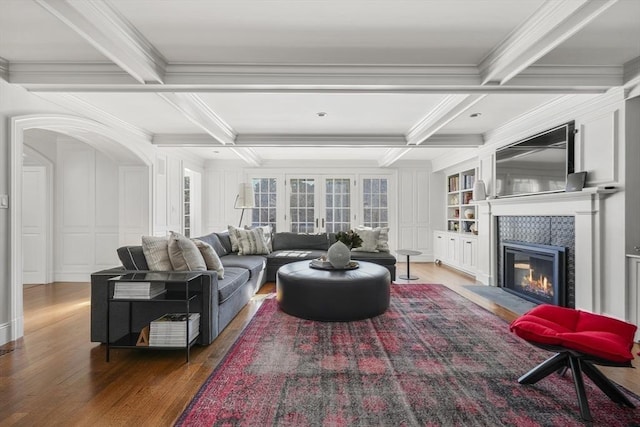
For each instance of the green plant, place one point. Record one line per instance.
(349, 238)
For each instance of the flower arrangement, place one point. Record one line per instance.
(349, 238)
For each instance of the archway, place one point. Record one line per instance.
(107, 140)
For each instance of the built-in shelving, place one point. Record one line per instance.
(461, 209)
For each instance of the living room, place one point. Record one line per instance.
(105, 117)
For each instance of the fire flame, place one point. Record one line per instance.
(540, 285)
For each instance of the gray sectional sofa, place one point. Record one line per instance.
(220, 299)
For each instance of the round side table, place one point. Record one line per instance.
(408, 253)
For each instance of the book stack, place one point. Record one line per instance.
(137, 290)
(170, 330)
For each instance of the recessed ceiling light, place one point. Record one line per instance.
(321, 114)
(475, 115)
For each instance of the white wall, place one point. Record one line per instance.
(601, 150)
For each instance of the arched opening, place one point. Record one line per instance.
(132, 158)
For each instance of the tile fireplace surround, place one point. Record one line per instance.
(563, 219)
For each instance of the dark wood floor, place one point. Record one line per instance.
(56, 376)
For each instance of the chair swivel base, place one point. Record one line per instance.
(578, 363)
(405, 277)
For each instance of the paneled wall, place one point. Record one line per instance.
(86, 206)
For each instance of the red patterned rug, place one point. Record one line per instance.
(434, 358)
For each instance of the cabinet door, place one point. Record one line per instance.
(439, 251)
(468, 253)
(452, 249)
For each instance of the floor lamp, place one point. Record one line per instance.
(245, 199)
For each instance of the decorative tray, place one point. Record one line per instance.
(326, 265)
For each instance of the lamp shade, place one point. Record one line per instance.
(246, 197)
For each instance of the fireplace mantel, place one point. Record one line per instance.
(584, 206)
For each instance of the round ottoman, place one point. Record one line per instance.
(333, 295)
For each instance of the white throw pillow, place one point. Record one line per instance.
(211, 258)
(369, 240)
(383, 240)
(233, 238)
(184, 254)
(156, 252)
(251, 242)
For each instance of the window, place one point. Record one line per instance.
(264, 212)
(302, 205)
(191, 203)
(187, 205)
(338, 204)
(375, 202)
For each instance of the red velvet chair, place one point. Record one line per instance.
(581, 340)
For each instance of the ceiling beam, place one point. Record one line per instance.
(199, 113)
(83, 108)
(549, 26)
(109, 32)
(447, 110)
(248, 155)
(392, 155)
(105, 77)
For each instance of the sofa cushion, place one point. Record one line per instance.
(156, 252)
(250, 242)
(234, 278)
(211, 258)
(213, 240)
(253, 263)
(280, 258)
(300, 241)
(380, 258)
(132, 257)
(184, 254)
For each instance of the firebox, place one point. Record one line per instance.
(535, 272)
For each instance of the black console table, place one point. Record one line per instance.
(178, 289)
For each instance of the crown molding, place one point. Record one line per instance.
(107, 77)
(453, 141)
(447, 110)
(4, 69)
(109, 32)
(632, 78)
(553, 23)
(198, 112)
(83, 108)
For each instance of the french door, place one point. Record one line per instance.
(319, 203)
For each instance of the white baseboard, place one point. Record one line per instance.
(5, 333)
(72, 277)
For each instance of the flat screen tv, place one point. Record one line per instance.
(538, 164)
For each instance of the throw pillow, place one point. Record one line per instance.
(213, 240)
(268, 234)
(383, 241)
(184, 254)
(233, 237)
(250, 242)
(369, 240)
(211, 258)
(156, 252)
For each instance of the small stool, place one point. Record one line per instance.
(581, 340)
(408, 253)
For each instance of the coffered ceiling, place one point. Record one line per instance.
(260, 80)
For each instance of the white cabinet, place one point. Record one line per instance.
(456, 250)
(633, 290)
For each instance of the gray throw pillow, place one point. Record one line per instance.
(184, 254)
(211, 258)
(156, 252)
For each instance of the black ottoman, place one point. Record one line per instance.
(333, 296)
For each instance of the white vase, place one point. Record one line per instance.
(339, 255)
(479, 191)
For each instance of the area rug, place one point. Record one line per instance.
(434, 358)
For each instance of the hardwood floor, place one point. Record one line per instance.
(56, 376)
